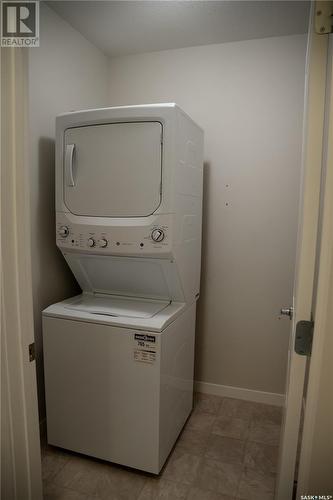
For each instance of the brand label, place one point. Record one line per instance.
(143, 337)
(144, 348)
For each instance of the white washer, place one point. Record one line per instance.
(118, 359)
(116, 392)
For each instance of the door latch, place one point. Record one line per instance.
(304, 337)
(287, 311)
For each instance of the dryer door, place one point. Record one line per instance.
(113, 170)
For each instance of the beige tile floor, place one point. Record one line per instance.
(227, 450)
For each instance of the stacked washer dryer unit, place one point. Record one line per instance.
(119, 357)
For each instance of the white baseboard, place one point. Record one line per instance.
(269, 398)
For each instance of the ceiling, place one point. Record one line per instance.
(131, 27)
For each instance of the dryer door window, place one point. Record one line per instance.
(113, 170)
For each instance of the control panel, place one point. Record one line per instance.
(118, 239)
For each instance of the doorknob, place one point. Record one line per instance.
(287, 311)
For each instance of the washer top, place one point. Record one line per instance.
(115, 310)
(113, 305)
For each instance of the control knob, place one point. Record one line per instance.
(91, 242)
(63, 231)
(157, 235)
(102, 243)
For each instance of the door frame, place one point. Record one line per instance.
(324, 299)
(313, 140)
(21, 468)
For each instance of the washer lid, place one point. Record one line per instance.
(112, 305)
(143, 278)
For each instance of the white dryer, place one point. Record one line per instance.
(118, 358)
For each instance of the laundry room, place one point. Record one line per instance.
(175, 218)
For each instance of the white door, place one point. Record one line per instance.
(20, 446)
(113, 170)
(306, 254)
(316, 456)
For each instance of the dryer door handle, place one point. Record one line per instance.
(69, 157)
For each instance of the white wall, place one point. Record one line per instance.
(248, 97)
(66, 73)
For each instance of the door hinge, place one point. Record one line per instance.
(32, 355)
(324, 17)
(304, 337)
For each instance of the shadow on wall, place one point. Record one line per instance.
(201, 310)
(52, 278)
(51, 262)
